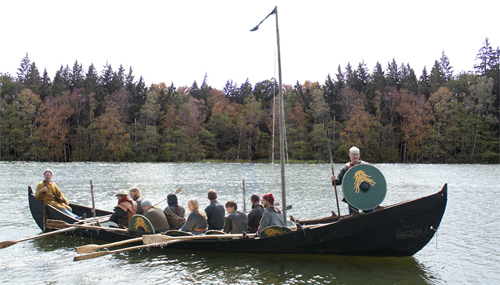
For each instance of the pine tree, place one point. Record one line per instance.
(446, 67)
(22, 72)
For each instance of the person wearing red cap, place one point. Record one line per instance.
(271, 216)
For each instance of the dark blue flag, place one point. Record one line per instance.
(257, 27)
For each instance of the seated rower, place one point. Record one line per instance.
(174, 212)
(136, 195)
(271, 216)
(48, 192)
(255, 214)
(155, 216)
(125, 209)
(236, 221)
(196, 223)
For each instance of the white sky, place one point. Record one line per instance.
(179, 41)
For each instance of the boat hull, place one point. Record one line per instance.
(398, 230)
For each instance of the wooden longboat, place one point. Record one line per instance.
(396, 230)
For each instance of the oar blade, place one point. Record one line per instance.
(150, 239)
(178, 190)
(7, 243)
(91, 255)
(87, 248)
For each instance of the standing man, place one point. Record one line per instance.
(215, 212)
(125, 209)
(155, 216)
(136, 195)
(255, 214)
(236, 221)
(48, 192)
(271, 216)
(354, 160)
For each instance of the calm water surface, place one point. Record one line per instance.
(466, 249)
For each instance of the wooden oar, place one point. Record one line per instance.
(106, 217)
(103, 253)
(153, 239)
(8, 243)
(88, 248)
(57, 224)
(331, 164)
(177, 191)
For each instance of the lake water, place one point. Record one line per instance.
(466, 249)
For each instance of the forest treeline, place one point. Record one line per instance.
(390, 113)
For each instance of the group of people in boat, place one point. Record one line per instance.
(198, 221)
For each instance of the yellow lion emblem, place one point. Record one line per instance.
(360, 177)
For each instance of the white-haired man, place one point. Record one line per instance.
(354, 160)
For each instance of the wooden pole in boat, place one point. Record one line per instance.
(282, 112)
(243, 189)
(331, 164)
(93, 201)
(282, 122)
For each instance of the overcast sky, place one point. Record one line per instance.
(180, 41)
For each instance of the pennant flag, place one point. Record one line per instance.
(257, 27)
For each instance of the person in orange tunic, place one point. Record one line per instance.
(125, 209)
(48, 192)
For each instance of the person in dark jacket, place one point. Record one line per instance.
(155, 216)
(255, 214)
(215, 212)
(236, 221)
(136, 195)
(174, 212)
(196, 222)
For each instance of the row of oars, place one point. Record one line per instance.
(91, 250)
(62, 226)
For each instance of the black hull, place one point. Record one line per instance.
(398, 230)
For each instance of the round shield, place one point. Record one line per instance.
(141, 223)
(364, 186)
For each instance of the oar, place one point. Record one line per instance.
(8, 243)
(331, 164)
(177, 191)
(103, 253)
(57, 224)
(154, 239)
(106, 217)
(88, 248)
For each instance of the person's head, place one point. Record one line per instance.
(231, 206)
(135, 193)
(354, 154)
(121, 193)
(146, 205)
(193, 205)
(212, 195)
(267, 200)
(47, 174)
(255, 199)
(172, 200)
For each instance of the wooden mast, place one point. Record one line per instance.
(282, 123)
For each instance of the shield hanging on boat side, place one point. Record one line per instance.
(141, 223)
(364, 186)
